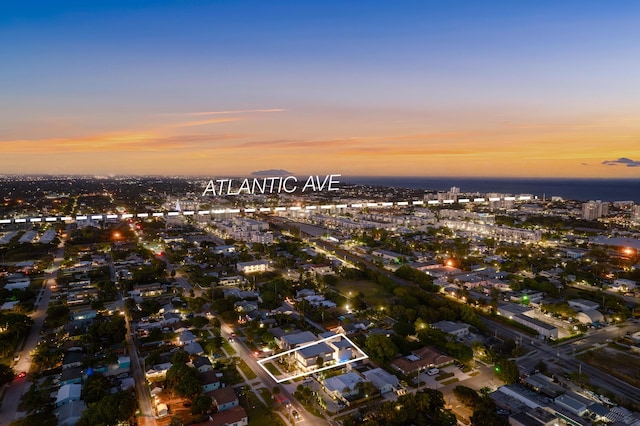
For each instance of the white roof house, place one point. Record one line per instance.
(68, 393)
(343, 385)
(382, 380)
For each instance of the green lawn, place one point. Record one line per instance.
(259, 414)
(267, 396)
(246, 370)
(228, 348)
(272, 368)
(374, 295)
(443, 376)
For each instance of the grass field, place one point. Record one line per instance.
(624, 366)
(266, 396)
(374, 295)
(259, 414)
(228, 348)
(249, 374)
(443, 376)
(272, 368)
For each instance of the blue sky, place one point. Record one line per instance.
(443, 83)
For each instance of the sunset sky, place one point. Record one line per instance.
(415, 88)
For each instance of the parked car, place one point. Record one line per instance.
(432, 371)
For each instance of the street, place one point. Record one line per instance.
(267, 382)
(15, 390)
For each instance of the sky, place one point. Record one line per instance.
(386, 88)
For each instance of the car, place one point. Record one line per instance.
(16, 358)
(22, 374)
(432, 371)
(295, 415)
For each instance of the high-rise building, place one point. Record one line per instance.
(635, 213)
(593, 210)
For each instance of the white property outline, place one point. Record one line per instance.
(317, 342)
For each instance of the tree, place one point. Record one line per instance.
(507, 371)
(6, 374)
(201, 404)
(485, 414)
(466, 395)
(57, 315)
(183, 380)
(95, 388)
(366, 389)
(199, 322)
(541, 366)
(422, 408)
(47, 356)
(41, 418)
(110, 410)
(380, 348)
(180, 357)
(403, 328)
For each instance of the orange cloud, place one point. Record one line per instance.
(141, 142)
(239, 111)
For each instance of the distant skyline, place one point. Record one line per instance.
(412, 88)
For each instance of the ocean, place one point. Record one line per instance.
(568, 189)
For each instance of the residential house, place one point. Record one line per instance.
(202, 364)
(290, 341)
(210, 380)
(158, 371)
(69, 414)
(457, 329)
(68, 393)
(253, 266)
(186, 337)
(224, 398)
(387, 255)
(155, 388)
(71, 376)
(193, 348)
(124, 363)
(346, 329)
(169, 318)
(72, 359)
(127, 383)
(308, 357)
(421, 359)
(382, 380)
(235, 416)
(321, 269)
(623, 285)
(234, 280)
(343, 386)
